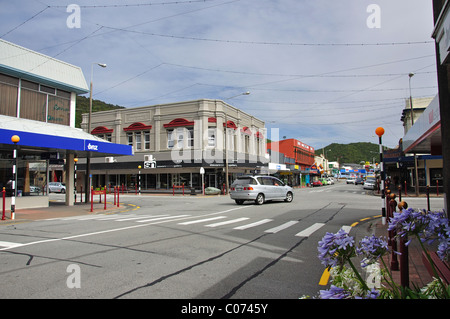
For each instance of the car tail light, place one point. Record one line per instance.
(248, 188)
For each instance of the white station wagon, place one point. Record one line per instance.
(260, 188)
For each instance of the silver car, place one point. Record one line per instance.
(370, 183)
(56, 187)
(260, 189)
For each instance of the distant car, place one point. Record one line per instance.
(316, 183)
(56, 187)
(370, 183)
(330, 180)
(324, 181)
(359, 180)
(351, 180)
(260, 189)
(35, 189)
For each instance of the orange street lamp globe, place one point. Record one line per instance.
(15, 139)
(379, 131)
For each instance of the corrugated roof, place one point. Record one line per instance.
(25, 63)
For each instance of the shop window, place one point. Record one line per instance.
(211, 137)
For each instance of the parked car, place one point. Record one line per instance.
(56, 187)
(316, 183)
(35, 189)
(370, 183)
(330, 180)
(351, 180)
(359, 180)
(260, 189)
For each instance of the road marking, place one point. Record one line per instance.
(112, 230)
(310, 230)
(263, 221)
(325, 277)
(346, 229)
(228, 222)
(160, 218)
(202, 220)
(8, 244)
(281, 227)
(138, 217)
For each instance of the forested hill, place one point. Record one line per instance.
(97, 105)
(350, 153)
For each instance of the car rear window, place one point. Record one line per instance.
(244, 181)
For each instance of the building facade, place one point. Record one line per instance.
(37, 103)
(173, 143)
(299, 161)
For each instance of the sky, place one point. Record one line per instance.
(318, 71)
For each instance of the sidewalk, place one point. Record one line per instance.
(59, 210)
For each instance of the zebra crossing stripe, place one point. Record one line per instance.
(281, 227)
(227, 222)
(262, 221)
(310, 230)
(202, 220)
(160, 218)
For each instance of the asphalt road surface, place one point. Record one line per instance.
(188, 247)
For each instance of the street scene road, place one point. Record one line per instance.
(185, 247)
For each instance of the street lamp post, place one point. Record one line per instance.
(416, 174)
(88, 160)
(15, 139)
(380, 131)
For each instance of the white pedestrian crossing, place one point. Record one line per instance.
(228, 222)
(310, 230)
(204, 221)
(263, 221)
(281, 227)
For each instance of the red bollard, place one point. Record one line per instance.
(114, 195)
(437, 187)
(105, 197)
(4, 195)
(117, 198)
(405, 189)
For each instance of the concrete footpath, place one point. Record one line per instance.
(58, 210)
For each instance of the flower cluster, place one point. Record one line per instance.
(337, 250)
(427, 226)
(372, 248)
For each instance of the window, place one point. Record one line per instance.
(211, 137)
(138, 141)
(130, 139)
(146, 140)
(190, 136)
(170, 139)
(181, 135)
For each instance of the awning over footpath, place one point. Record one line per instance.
(425, 134)
(57, 138)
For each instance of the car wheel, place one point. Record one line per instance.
(289, 197)
(239, 201)
(259, 199)
(63, 191)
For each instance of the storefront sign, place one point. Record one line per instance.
(442, 34)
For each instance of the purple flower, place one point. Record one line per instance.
(335, 249)
(334, 293)
(372, 248)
